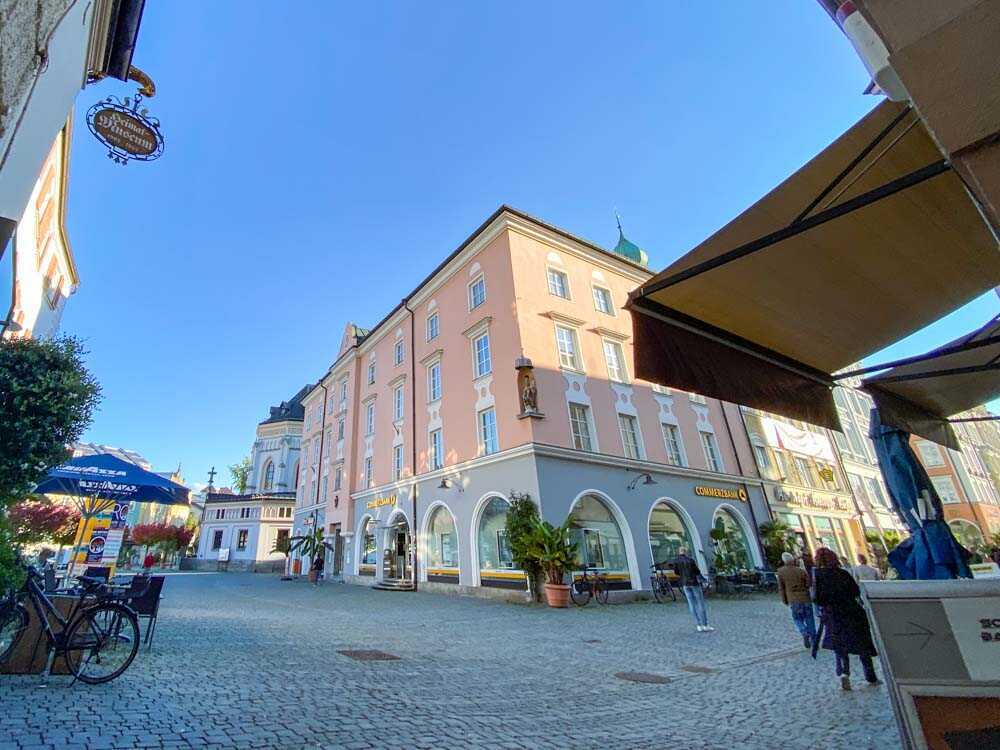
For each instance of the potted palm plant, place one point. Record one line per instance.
(556, 555)
(310, 546)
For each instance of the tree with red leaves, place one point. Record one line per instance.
(36, 521)
(164, 536)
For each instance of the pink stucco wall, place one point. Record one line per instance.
(519, 308)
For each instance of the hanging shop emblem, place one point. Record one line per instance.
(127, 131)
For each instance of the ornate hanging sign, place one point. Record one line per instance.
(127, 131)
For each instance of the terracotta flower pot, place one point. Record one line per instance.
(557, 595)
(313, 575)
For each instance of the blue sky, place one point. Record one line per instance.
(313, 144)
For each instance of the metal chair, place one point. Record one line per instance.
(98, 571)
(144, 598)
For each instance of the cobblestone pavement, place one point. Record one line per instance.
(243, 661)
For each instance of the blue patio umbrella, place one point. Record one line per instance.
(100, 482)
(931, 552)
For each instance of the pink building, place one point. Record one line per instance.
(507, 372)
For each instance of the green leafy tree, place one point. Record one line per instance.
(778, 538)
(47, 400)
(522, 518)
(880, 553)
(552, 550)
(283, 545)
(730, 555)
(241, 475)
(310, 545)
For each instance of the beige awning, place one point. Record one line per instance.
(919, 395)
(871, 240)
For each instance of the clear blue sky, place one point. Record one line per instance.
(323, 157)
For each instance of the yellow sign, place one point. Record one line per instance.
(826, 473)
(723, 492)
(378, 502)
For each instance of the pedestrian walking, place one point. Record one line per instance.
(689, 579)
(843, 620)
(148, 561)
(793, 583)
(865, 572)
(317, 566)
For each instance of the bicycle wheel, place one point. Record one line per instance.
(102, 642)
(580, 593)
(601, 591)
(13, 622)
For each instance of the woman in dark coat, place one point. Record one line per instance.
(844, 620)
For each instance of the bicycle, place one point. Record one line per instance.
(98, 640)
(582, 589)
(659, 581)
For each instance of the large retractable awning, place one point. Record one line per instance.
(871, 240)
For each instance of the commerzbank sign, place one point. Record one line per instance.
(378, 502)
(725, 493)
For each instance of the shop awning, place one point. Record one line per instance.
(871, 240)
(920, 394)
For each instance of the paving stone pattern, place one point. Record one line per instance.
(248, 661)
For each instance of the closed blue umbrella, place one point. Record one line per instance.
(931, 552)
(98, 483)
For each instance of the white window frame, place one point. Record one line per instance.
(574, 341)
(397, 462)
(398, 353)
(588, 426)
(481, 432)
(369, 472)
(475, 356)
(370, 418)
(472, 284)
(398, 403)
(563, 278)
(594, 289)
(620, 355)
(433, 394)
(371, 372)
(681, 452)
(343, 392)
(433, 322)
(923, 447)
(338, 478)
(708, 438)
(640, 448)
(435, 442)
(951, 484)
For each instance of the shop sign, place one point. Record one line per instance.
(378, 502)
(826, 473)
(726, 493)
(809, 500)
(127, 131)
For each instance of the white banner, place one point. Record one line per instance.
(791, 438)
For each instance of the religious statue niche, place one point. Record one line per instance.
(527, 389)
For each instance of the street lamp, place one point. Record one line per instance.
(647, 479)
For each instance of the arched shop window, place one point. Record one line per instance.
(494, 545)
(368, 543)
(269, 475)
(732, 548)
(442, 541)
(967, 533)
(599, 540)
(668, 533)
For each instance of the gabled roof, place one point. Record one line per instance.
(291, 410)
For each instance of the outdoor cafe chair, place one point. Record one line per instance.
(98, 571)
(144, 599)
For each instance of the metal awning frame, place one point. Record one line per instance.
(801, 225)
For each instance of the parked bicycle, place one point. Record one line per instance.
(98, 639)
(587, 586)
(659, 581)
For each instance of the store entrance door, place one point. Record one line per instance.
(396, 560)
